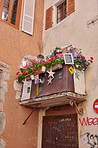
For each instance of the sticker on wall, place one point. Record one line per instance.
(77, 75)
(44, 80)
(95, 106)
(40, 90)
(36, 79)
(60, 75)
(23, 63)
(71, 70)
(32, 77)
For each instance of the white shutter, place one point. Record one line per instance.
(28, 16)
(26, 90)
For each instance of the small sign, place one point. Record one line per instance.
(36, 79)
(60, 75)
(23, 63)
(68, 58)
(71, 70)
(40, 90)
(32, 77)
(43, 68)
(95, 106)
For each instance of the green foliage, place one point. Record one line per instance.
(36, 65)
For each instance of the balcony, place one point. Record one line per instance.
(64, 88)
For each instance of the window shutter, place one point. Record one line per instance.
(71, 6)
(28, 16)
(48, 18)
(26, 90)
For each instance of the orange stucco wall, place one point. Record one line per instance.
(14, 45)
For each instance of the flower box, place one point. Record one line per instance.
(55, 67)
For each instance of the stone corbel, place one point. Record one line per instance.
(80, 111)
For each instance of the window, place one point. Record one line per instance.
(58, 12)
(11, 12)
(5, 10)
(64, 9)
(61, 11)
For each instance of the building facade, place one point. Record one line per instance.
(55, 121)
(21, 25)
(79, 28)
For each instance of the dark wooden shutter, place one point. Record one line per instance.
(71, 6)
(48, 18)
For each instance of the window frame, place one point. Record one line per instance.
(63, 15)
(56, 3)
(10, 13)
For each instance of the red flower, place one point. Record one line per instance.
(22, 69)
(83, 57)
(17, 73)
(91, 61)
(91, 58)
(53, 57)
(50, 60)
(23, 73)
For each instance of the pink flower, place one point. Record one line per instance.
(26, 66)
(46, 61)
(57, 55)
(80, 54)
(34, 60)
(61, 55)
(31, 60)
(37, 62)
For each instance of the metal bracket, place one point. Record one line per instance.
(80, 111)
(30, 114)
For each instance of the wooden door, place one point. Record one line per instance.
(60, 131)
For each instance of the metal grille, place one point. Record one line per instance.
(60, 131)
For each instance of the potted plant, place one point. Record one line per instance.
(80, 61)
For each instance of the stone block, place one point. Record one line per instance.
(2, 122)
(1, 107)
(2, 143)
(17, 86)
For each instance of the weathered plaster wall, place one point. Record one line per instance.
(14, 46)
(74, 30)
(4, 75)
